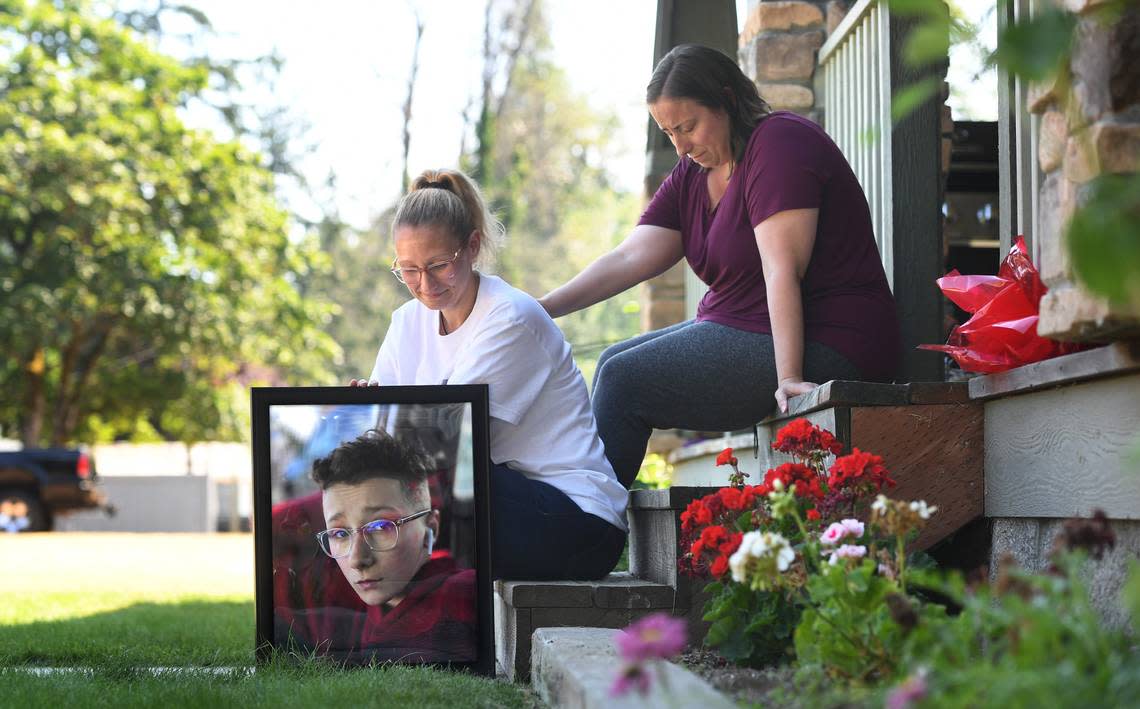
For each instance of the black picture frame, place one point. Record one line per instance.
(302, 607)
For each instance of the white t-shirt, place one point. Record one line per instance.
(541, 423)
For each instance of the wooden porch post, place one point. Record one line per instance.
(917, 223)
(713, 24)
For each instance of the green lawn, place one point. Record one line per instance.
(118, 605)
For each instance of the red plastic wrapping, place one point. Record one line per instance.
(1002, 333)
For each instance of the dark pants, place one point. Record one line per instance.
(699, 376)
(540, 534)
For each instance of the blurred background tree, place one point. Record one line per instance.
(146, 269)
(541, 155)
(150, 271)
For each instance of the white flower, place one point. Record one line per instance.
(738, 562)
(879, 506)
(760, 545)
(922, 509)
(847, 551)
(784, 554)
(853, 526)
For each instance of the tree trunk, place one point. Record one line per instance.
(34, 401)
(408, 101)
(83, 353)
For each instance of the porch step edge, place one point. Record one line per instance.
(1111, 360)
(576, 667)
(617, 590)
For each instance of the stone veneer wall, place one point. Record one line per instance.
(778, 49)
(1090, 125)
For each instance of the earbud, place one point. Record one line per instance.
(430, 540)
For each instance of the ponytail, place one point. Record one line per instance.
(450, 199)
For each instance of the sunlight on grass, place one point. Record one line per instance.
(154, 565)
(166, 599)
(62, 576)
(115, 605)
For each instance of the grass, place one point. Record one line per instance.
(114, 606)
(303, 685)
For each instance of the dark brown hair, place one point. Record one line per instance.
(374, 454)
(704, 75)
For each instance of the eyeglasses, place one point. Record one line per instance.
(380, 535)
(440, 271)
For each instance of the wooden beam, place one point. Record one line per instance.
(916, 176)
(1115, 359)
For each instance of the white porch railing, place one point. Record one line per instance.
(855, 73)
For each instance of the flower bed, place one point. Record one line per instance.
(809, 570)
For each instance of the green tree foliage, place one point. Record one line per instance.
(359, 283)
(542, 154)
(146, 268)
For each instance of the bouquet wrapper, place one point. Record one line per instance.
(1002, 331)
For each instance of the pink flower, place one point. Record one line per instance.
(632, 677)
(913, 689)
(654, 636)
(847, 551)
(834, 532)
(838, 531)
(853, 526)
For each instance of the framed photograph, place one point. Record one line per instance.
(371, 524)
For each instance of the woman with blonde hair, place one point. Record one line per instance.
(558, 510)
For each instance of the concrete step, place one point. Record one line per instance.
(521, 607)
(576, 667)
(929, 434)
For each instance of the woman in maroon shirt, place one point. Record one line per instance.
(768, 214)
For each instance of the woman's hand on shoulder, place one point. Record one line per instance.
(363, 383)
(790, 387)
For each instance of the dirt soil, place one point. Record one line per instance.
(771, 685)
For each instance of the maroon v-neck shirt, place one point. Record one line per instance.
(789, 163)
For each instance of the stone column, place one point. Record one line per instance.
(1090, 126)
(778, 49)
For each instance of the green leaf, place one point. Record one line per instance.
(1037, 47)
(922, 8)
(719, 631)
(926, 44)
(1104, 241)
(908, 98)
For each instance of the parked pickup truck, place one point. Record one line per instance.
(37, 484)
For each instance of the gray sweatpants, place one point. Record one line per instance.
(699, 376)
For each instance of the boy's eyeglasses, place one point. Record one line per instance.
(381, 535)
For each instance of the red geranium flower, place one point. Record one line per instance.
(731, 544)
(726, 458)
(859, 468)
(733, 498)
(801, 437)
(804, 478)
(691, 514)
(813, 514)
(713, 535)
(719, 566)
